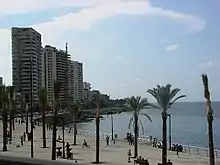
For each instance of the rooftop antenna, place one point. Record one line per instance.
(66, 47)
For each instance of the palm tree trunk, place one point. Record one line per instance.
(164, 138)
(27, 122)
(211, 144)
(54, 136)
(97, 139)
(13, 121)
(136, 136)
(10, 128)
(44, 129)
(74, 133)
(5, 125)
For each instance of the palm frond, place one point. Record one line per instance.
(147, 116)
(206, 86)
(141, 125)
(131, 121)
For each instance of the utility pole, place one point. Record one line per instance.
(32, 124)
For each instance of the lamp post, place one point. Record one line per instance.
(32, 124)
(63, 136)
(169, 115)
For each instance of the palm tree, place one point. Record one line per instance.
(42, 95)
(4, 112)
(57, 87)
(26, 101)
(12, 107)
(76, 112)
(165, 97)
(96, 98)
(209, 118)
(135, 105)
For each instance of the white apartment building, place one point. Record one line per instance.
(76, 81)
(27, 60)
(50, 71)
(63, 76)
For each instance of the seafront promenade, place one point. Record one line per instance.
(111, 155)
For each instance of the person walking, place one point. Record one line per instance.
(21, 138)
(129, 156)
(24, 136)
(107, 140)
(177, 150)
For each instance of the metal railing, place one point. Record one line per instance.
(145, 140)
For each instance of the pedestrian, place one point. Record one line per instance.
(129, 156)
(177, 150)
(107, 140)
(24, 136)
(21, 138)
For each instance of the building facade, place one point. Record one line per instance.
(50, 71)
(1, 81)
(27, 61)
(63, 76)
(86, 92)
(76, 81)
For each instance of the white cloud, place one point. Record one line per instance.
(137, 79)
(92, 11)
(124, 83)
(120, 56)
(206, 65)
(171, 48)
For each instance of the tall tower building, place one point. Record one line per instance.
(86, 92)
(63, 76)
(50, 71)
(27, 60)
(77, 84)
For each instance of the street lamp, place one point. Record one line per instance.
(63, 136)
(169, 115)
(32, 124)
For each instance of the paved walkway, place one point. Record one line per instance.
(111, 155)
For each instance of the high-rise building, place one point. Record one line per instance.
(50, 71)
(86, 92)
(76, 81)
(1, 81)
(63, 75)
(27, 60)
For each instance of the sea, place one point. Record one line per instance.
(188, 123)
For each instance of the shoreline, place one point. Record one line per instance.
(112, 154)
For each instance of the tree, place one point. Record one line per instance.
(76, 112)
(4, 99)
(135, 105)
(209, 118)
(96, 98)
(57, 87)
(12, 108)
(165, 97)
(42, 95)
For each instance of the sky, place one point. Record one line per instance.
(126, 46)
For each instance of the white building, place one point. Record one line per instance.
(26, 61)
(50, 71)
(76, 79)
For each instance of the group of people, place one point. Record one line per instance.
(130, 138)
